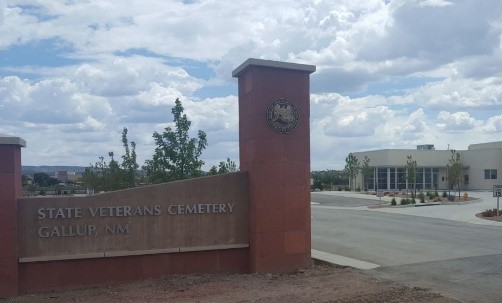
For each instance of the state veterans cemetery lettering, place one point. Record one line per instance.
(52, 213)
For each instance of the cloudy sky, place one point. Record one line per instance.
(390, 74)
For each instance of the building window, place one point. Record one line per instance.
(370, 182)
(401, 178)
(428, 178)
(490, 174)
(382, 178)
(392, 178)
(419, 179)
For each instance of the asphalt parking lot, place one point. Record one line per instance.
(445, 247)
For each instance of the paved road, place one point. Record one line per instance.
(462, 259)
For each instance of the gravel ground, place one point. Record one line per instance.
(322, 283)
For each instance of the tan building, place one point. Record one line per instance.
(482, 167)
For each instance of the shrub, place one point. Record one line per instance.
(413, 201)
(451, 198)
(358, 188)
(445, 194)
(405, 201)
(436, 193)
(422, 199)
(42, 192)
(393, 201)
(339, 188)
(489, 213)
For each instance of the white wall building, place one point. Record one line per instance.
(482, 167)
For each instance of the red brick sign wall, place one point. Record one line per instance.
(254, 221)
(10, 189)
(198, 214)
(274, 139)
(197, 225)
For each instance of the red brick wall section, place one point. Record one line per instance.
(44, 276)
(278, 167)
(10, 190)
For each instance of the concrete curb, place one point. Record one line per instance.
(341, 260)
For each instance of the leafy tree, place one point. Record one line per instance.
(129, 163)
(366, 170)
(112, 175)
(213, 170)
(227, 167)
(44, 180)
(25, 179)
(104, 176)
(454, 168)
(176, 156)
(326, 179)
(352, 168)
(411, 172)
(91, 178)
(224, 167)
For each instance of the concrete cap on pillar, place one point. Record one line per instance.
(274, 64)
(11, 140)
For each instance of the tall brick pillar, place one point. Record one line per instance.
(274, 139)
(10, 190)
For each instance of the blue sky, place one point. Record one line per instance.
(390, 74)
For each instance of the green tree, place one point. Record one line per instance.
(326, 179)
(367, 171)
(115, 177)
(91, 178)
(112, 175)
(129, 163)
(224, 167)
(44, 180)
(411, 173)
(213, 170)
(352, 168)
(104, 176)
(176, 156)
(227, 167)
(454, 168)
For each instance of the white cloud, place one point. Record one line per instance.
(389, 73)
(48, 101)
(356, 122)
(434, 3)
(493, 125)
(456, 121)
(458, 93)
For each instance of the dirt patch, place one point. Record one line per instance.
(494, 218)
(322, 283)
(427, 202)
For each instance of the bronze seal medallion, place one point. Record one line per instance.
(282, 116)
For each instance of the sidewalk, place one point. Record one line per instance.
(457, 212)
